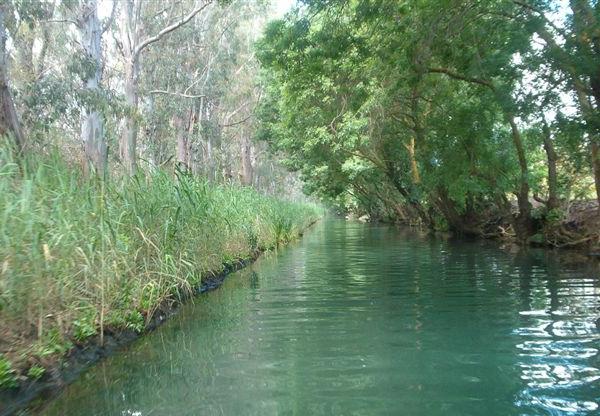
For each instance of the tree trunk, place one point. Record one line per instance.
(128, 145)
(92, 126)
(247, 171)
(523, 222)
(553, 201)
(182, 143)
(414, 169)
(466, 223)
(9, 122)
(596, 166)
(190, 138)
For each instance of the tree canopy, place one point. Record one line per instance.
(458, 114)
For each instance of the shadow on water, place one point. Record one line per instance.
(369, 319)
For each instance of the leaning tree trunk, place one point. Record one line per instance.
(414, 168)
(9, 122)
(92, 127)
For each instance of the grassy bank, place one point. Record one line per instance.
(79, 257)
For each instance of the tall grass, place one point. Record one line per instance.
(78, 256)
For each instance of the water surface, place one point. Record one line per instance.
(359, 319)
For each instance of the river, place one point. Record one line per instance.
(358, 319)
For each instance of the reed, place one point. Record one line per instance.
(80, 255)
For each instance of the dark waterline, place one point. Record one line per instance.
(368, 320)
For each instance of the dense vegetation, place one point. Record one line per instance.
(478, 117)
(128, 173)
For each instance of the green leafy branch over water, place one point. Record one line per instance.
(80, 256)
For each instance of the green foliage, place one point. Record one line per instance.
(282, 229)
(7, 374)
(53, 342)
(135, 321)
(85, 325)
(36, 372)
(406, 109)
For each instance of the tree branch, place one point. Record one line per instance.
(148, 41)
(110, 20)
(530, 8)
(461, 77)
(179, 94)
(237, 122)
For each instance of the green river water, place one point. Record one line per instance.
(359, 319)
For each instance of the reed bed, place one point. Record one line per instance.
(79, 256)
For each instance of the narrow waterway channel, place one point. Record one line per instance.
(359, 319)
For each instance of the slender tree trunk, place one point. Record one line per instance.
(9, 121)
(418, 136)
(553, 201)
(92, 126)
(190, 138)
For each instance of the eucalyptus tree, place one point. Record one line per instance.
(92, 124)
(31, 32)
(133, 43)
(202, 91)
(9, 121)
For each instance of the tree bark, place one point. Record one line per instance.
(92, 126)
(128, 145)
(9, 121)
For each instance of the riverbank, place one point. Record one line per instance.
(576, 226)
(89, 265)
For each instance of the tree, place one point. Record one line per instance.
(419, 110)
(577, 58)
(9, 121)
(133, 44)
(92, 125)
